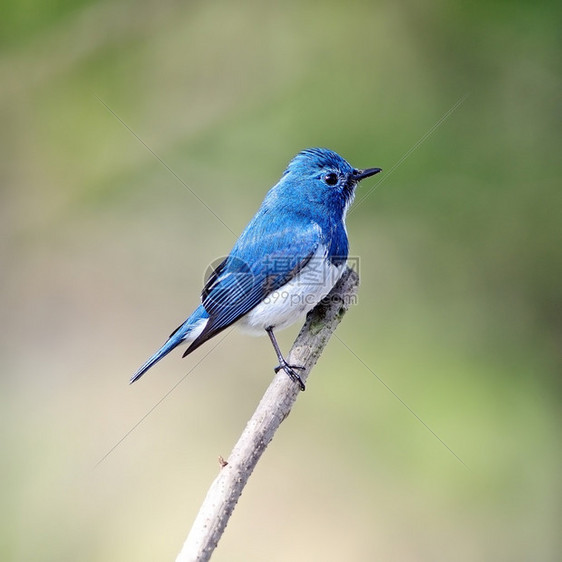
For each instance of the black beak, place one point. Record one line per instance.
(359, 175)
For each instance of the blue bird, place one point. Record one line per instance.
(287, 259)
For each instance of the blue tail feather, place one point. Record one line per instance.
(178, 336)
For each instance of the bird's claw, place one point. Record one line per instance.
(293, 375)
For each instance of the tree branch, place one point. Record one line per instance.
(273, 408)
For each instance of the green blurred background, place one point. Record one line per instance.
(103, 252)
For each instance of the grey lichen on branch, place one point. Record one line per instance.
(273, 408)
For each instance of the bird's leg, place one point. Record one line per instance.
(289, 369)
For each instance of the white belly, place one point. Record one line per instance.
(294, 299)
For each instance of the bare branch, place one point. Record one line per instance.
(273, 408)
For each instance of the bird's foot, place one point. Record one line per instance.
(291, 372)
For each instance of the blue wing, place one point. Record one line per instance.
(268, 254)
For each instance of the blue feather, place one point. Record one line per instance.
(266, 256)
(178, 336)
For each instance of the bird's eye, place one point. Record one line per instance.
(331, 179)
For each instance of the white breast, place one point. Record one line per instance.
(294, 299)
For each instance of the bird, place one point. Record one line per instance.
(287, 259)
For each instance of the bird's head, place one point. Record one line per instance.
(322, 175)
